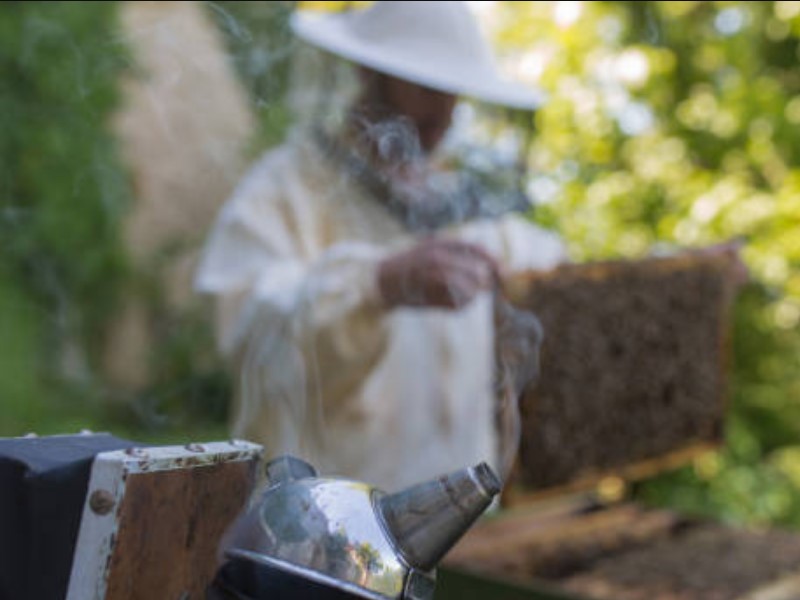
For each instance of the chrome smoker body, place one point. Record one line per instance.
(353, 538)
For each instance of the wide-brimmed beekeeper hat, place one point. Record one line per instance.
(435, 44)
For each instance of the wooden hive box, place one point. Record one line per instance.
(633, 382)
(153, 519)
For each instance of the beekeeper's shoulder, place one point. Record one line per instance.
(272, 180)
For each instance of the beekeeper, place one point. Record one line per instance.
(355, 285)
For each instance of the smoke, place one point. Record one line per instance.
(429, 199)
(274, 371)
(518, 339)
(231, 23)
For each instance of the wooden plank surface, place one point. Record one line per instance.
(170, 526)
(154, 517)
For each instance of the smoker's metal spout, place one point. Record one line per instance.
(426, 520)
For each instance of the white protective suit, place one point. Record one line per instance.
(390, 397)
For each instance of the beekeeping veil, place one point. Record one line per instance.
(434, 44)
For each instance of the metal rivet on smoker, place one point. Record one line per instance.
(101, 502)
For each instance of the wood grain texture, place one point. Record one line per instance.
(170, 525)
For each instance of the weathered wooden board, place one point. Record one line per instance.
(154, 517)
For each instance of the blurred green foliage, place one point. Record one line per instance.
(260, 44)
(62, 186)
(675, 124)
(62, 195)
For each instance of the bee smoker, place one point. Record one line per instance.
(306, 536)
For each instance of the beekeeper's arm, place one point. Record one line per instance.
(296, 320)
(319, 321)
